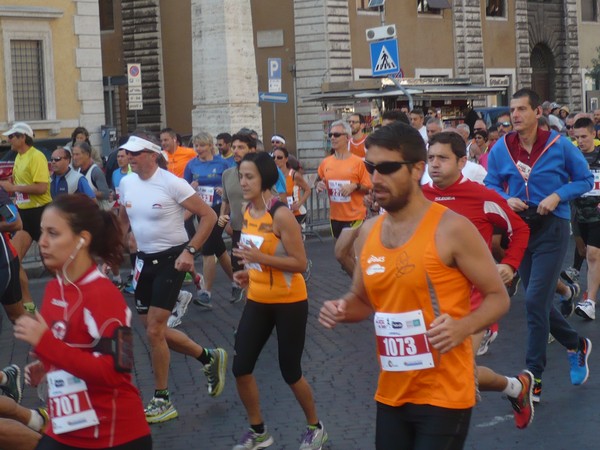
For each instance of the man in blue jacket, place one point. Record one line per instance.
(539, 172)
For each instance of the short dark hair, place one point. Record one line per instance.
(269, 174)
(400, 137)
(169, 131)
(492, 129)
(361, 118)
(534, 98)
(457, 143)
(418, 112)
(504, 114)
(585, 122)
(245, 138)
(481, 133)
(395, 115)
(80, 130)
(225, 136)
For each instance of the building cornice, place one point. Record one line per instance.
(30, 12)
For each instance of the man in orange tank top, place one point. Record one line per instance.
(417, 263)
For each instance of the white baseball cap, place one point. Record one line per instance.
(137, 144)
(19, 127)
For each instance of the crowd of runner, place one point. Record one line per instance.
(437, 227)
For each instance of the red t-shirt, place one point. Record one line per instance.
(79, 318)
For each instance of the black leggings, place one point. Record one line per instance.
(143, 443)
(255, 327)
(421, 427)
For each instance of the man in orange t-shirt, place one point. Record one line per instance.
(177, 156)
(346, 180)
(357, 141)
(416, 265)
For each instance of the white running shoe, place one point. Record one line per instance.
(586, 309)
(183, 301)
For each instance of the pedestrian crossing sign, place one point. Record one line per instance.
(384, 57)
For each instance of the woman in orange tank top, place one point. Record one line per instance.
(272, 251)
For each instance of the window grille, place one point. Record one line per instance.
(27, 61)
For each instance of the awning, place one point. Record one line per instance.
(426, 89)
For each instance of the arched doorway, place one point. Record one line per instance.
(543, 74)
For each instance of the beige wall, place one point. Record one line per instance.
(424, 41)
(276, 15)
(66, 75)
(499, 39)
(176, 27)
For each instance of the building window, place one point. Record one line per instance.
(495, 8)
(589, 10)
(107, 17)
(27, 62)
(425, 7)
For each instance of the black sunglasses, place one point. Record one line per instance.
(336, 135)
(569, 127)
(278, 157)
(57, 158)
(503, 124)
(129, 153)
(17, 135)
(386, 167)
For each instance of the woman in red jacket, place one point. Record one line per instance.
(82, 336)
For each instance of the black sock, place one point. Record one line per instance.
(162, 393)
(258, 429)
(204, 357)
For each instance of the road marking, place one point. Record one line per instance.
(495, 421)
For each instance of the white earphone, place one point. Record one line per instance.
(81, 242)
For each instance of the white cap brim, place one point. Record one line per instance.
(136, 144)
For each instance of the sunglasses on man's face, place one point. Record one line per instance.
(503, 124)
(57, 158)
(569, 127)
(336, 135)
(386, 167)
(14, 135)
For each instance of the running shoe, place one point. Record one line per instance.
(570, 275)
(160, 410)
(307, 273)
(536, 393)
(43, 412)
(523, 404)
(215, 371)
(13, 387)
(513, 285)
(313, 438)
(199, 282)
(489, 337)
(237, 294)
(567, 304)
(578, 360)
(188, 278)
(203, 300)
(183, 301)
(586, 309)
(254, 441)
(30, 307)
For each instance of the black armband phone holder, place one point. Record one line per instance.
(120, 347)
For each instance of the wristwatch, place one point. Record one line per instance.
(191, 249)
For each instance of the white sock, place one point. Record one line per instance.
(36, 422)
(513, 388)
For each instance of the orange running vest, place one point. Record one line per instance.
(395, 281)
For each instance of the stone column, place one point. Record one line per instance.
(224, 67)
(468, 35)
(323, 54)
(523, 48)
(88, 59)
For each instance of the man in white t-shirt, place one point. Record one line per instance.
(153, 202)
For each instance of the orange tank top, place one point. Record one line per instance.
(405, 285)
(269, 285)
